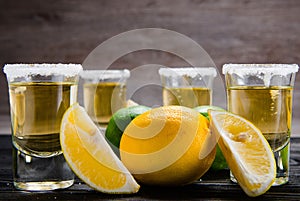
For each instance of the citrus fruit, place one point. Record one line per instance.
(203, 109)
(119, 121)
(247, 152)
(131, 103)
(167, 146)
(89, 155)
(220, 161)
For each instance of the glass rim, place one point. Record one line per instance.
(105, 74)
(278, 69)
(190, 71)
(43, 69)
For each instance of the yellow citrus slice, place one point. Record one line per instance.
(247, 152)
(90, 156)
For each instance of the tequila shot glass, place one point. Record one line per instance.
(39, 95)
(262, 93)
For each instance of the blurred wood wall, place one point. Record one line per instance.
(235, 31)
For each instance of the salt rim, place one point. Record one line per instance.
(192, 72)
(272, 69)
(105, 74)
(45, 69)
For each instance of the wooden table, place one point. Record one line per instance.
(214, 185)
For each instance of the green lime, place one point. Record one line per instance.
(119, 121)
(219, 162)
(203, 109)
(285, 152)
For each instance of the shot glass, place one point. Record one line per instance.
(262, 93)
(104, 92)
(188, 87)
(39, 95)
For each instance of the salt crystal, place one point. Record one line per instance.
(252, 69)
(266, 71)
(105, 74)
(23, 70)
(191, 72)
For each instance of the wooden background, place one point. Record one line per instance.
(231, 31)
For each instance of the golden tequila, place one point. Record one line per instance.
(189, 97)
(36, 112)
(102, 99)
(269, 108)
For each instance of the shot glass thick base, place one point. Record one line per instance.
(282, 166)
(43, 186)
(40, 174)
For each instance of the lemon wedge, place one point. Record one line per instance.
(247, 152)
(89, 155)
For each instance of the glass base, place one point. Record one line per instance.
(43, 186)
(40, 174)
(278, 181)
(282, 166)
